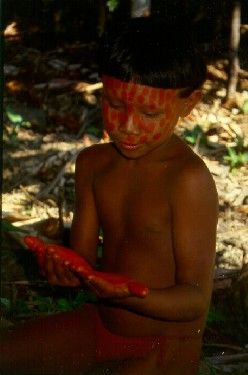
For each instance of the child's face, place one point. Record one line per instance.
(139, 118)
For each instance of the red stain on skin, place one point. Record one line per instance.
(147, 126)
(130, 139)
(157, 136)
(141, 99)
(132, 91)
(136, 101)
(113, 116)
(122, 117)
(161, 95)
(136, 118)
(143, 139)
(110, 126)
(162, 123)
(145, 91)
(152, 106)
(170, 94)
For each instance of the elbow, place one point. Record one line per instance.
(199, 307)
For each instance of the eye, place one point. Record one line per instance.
(151, 114)
(117, 106)
(114, 104)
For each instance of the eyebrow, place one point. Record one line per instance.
(149, 107)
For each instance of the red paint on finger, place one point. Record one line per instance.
(76, 262)
(136, 288)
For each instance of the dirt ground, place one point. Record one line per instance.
(52, 111)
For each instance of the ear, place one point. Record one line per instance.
(190, 102)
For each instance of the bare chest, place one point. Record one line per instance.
(133, 201)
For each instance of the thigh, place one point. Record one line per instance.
(145, 366)
(60, 344)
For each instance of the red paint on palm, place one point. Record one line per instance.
(77, 264)
(38, 246)
(70, 258)
(135, 288)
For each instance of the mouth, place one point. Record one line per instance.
(129, 146)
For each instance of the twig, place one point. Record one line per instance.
(25, 282)
(224, 359)
(222, 273)
(224, 346)
(30, 197)
(82, 87)
(55, 181)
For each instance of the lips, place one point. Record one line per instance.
(129, 146)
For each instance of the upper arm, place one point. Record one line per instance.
(85, 226)
(194, 215)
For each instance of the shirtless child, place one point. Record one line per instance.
(156, 203)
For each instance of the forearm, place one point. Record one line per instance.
(180, 303)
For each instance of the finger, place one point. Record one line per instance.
(63, 274)
(107, 289)
(138, 289)
(49, 270)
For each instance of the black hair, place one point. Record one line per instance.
(154, 52)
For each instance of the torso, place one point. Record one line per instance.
(133, 201)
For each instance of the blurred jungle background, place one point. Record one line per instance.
(51, 110)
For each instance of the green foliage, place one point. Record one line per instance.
(6, 226)
(16, 120)
(95, 131)
(206, 368)
(245, 106)
(112, 4)
(45, 305)
(238, 155)
(194, 136)
(215, 315)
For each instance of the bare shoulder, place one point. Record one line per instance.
(193, 178)
(93, 157)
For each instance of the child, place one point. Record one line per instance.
(156, 203)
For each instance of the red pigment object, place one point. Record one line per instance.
(136, 288)
(36, 245)
(72, 260)
(77, 264)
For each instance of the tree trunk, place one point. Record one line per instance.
(233, 50)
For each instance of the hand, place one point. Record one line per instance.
(63, 266)
(51, 266)
(57, 273)
(110, 285)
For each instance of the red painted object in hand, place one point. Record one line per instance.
(135, 288)
(71, 259)
(77, 264)
(39, 247)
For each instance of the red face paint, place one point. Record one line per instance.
(137, 114)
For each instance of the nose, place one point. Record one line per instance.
(129, 125)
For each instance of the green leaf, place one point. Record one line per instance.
(8, 227)
(215, 315)
(83, 297)
(64, 305)
(5, 302)
(14, 117)
(244, 157)
(112, 4)
(193, 135)
(245, 106)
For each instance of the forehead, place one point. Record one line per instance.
(131, 91)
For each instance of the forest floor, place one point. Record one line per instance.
(52, 111)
